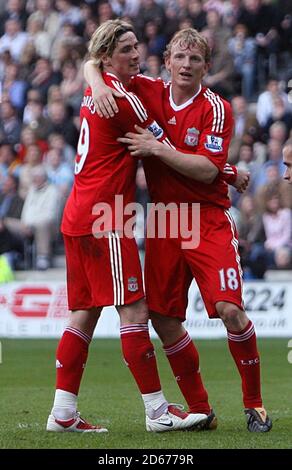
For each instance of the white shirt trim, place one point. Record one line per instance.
(184, 105)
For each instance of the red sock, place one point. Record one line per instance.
(71, 358)
(184, 361)
(243, 347)
(139, 356)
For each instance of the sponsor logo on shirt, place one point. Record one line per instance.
(172, 121)
(155, 129)
(132, 284)
(192, 136)
(214, 144)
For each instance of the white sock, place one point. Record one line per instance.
(65, 405)
(155, 404)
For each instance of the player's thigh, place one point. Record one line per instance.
(167, 277)
(215, 264)
(78, 287)
(102, 271)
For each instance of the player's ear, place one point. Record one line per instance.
(106, 60)
(167, 63)
(206, 68)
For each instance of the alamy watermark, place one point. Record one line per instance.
(178, 221)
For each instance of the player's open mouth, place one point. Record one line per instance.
(186, 74)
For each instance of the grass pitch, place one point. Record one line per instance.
(109, 396)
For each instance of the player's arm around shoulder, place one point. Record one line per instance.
(211, 153)
(104, 96)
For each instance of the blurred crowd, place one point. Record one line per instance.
(43, 44)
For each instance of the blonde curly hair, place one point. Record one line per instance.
(186, 38)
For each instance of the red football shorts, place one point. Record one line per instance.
(215, 265)
(102, 271)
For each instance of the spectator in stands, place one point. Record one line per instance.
(287, 160)
(154, 68)
(220, 32)
(221, 72)
(10, 202)
(57, 141)
(286, 29)
(60, 122)
(9, 163)
(14, 40)
(89, 27)
(40, 216)
(71, 87)
(182, 8)
(68, 13)
(40, 39)
(104, 11)
(274, 184)
(278, 226)
(14, 86)
(29, 137)
(59, 173)
(278, 132)
(155, 41)
(263, 22)
(243, 51)
(274, 157)
(48, 16)
(248, 162)
(125, 8)
(32, 160)
(283, 258)
(149, 10)
(10, 210)
(246, 128)
(266, 101)
(231, 12)
(5, 59)
(185, 23)
(197, 14)
(171, 22)
(33, 116)
(27, 62)
(14, 9)
(279, 114)
(43, 77)
(54, 95)
(64, 45)
(10, 124)
(251, 239)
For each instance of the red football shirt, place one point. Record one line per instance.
(203, 125)
(103, 167)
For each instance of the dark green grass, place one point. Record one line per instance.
(109, 396)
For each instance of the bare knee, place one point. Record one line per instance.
(85, 320)
(169, 329)
(134, 313)
(232, 316)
